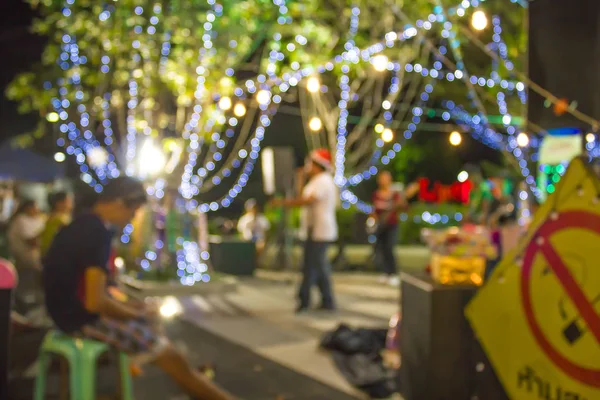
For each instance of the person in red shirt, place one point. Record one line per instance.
(386, 205)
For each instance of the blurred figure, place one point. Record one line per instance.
(480, 198)
(254, 226)
(319, 201)
(24, 230)
(61, 207)
(386, 204)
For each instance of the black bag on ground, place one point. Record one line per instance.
(356, 354)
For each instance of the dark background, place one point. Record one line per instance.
(564, 58)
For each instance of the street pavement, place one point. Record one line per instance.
(262, 350)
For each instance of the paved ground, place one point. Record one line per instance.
(261, 348)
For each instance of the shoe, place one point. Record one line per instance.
(394, 281)
(301, 309)
(327, 308)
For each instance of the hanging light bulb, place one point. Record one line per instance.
(590, 138)
(479, 20)
(315, 124)
(455, 138)
(387, 135)
(522, 139)
(52, 117)
(225, 103)
(263, 97)
(97, 157)
(380, 62)
(379, 128)
(59, 157)
(239, 110)
(313, 85)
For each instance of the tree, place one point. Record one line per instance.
(142, 69)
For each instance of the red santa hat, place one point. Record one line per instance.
(322, 157)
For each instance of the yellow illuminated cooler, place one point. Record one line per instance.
(459, 255)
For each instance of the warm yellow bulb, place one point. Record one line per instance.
(379, 128)
(479, 20)
(239, 110)
(380, 62)
(59, 157)
(313, 85)
(263, 97)
(387, 135)
(455, 138)
(52, 117)
(522, 139)
(315, 124)
(590, 137)
(225, 103)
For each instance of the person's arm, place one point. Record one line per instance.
(302, 201)
(98, 301)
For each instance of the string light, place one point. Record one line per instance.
(225, 103)
(479, 20)
(315, 124)
(380, 63)
(313, 85)
(59, 157)
(239, 110)
(455, 138)
(522, 140)
(387, 135)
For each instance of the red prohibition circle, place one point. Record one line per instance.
(541, 243)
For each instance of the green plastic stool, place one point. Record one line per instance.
(82, 356)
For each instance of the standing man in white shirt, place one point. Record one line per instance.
(319, 228)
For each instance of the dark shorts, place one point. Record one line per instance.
(132, 337)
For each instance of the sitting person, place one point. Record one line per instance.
(76, 277)
(61, 206)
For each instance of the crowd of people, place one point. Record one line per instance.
(67, 263)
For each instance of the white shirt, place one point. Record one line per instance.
(320, 216)
(21, 230)
(253, 227)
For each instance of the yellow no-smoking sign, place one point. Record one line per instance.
(539, 316)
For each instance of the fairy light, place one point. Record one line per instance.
(239, 110)
(313, 85)
(315, 124)
(522, 140)
(479, 20)
(340, 157)
(387, 135)
(225, 103)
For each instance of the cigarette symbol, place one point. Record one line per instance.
(574, 330)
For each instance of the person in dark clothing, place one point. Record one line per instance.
(76, 279)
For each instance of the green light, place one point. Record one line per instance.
(550, 188)
(555, 178)
(547, 169)
(560, 169)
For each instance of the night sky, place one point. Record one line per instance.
(19, 49)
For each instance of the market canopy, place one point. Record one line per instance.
(25, 165)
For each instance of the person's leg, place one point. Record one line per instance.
(308, 275)
(193, 382)
(389, 258)
(379, 251)
(139, 339)
(324, 275)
